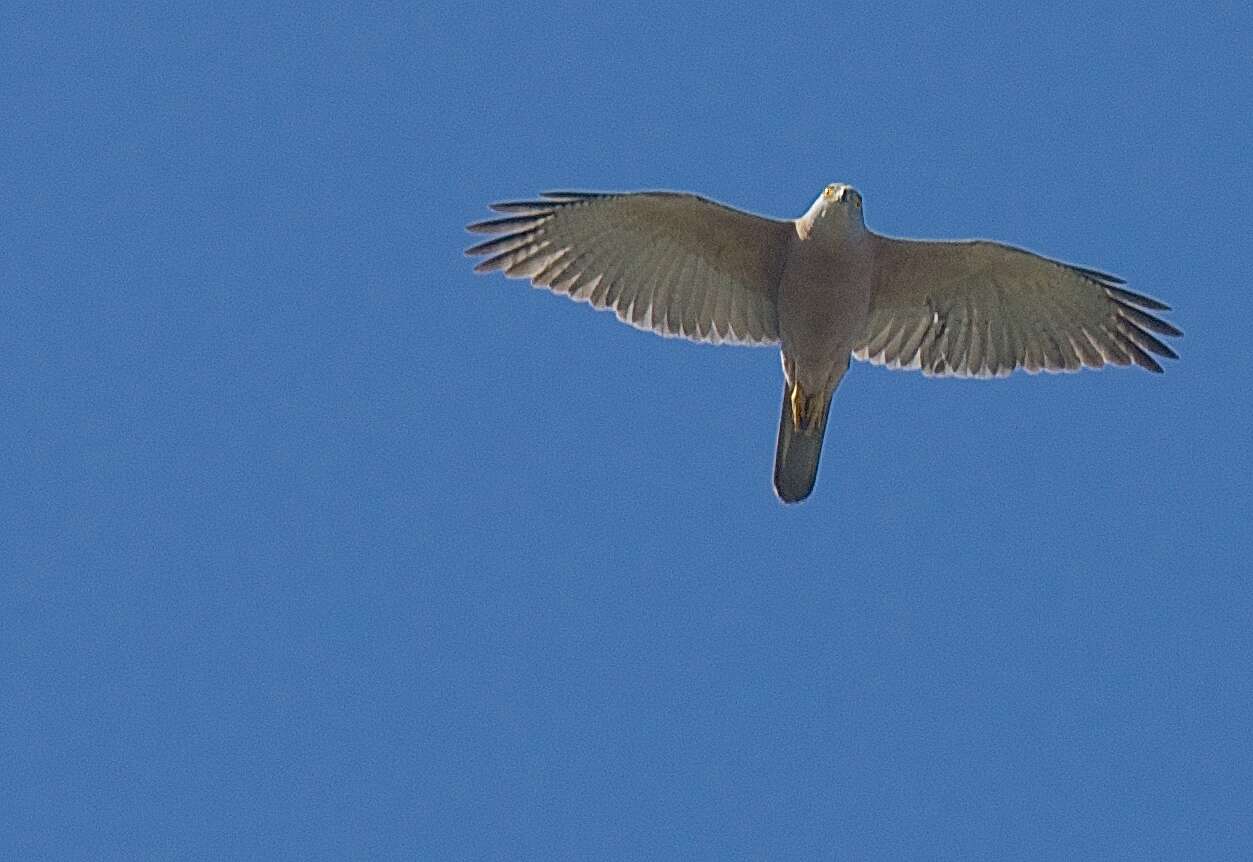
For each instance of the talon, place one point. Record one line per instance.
(806, 409)
(799, 401)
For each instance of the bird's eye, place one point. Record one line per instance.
(829, 191)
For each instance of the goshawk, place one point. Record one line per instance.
(825, 288)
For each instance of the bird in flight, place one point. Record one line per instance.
(824, 288)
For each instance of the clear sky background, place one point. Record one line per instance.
(316, 545)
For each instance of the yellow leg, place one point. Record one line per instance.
(798, 400)
(805, 408)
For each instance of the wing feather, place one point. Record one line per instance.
(662, 296)
(674, 263)
(623, 301)
(640, 309)
(974, 346)
(980, 309)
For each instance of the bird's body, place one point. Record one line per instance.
(824, 295)
(825, 288)
(823, 302)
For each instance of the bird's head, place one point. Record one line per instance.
(838, 208)
(840, 197)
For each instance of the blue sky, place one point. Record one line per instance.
(316, 545)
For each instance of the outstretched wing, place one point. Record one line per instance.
(672, 263)
(981, 309)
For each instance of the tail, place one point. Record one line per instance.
(796, 456)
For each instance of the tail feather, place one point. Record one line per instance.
(796, 455)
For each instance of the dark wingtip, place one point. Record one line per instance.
(1135, 328)
(1096, 274)
(501, 225)
(1137, 298)
(1158, 347)
(566, 195)
(1143, 338)
(1138, 355)
(1145, 320)
(498, 243)
(524, 207)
